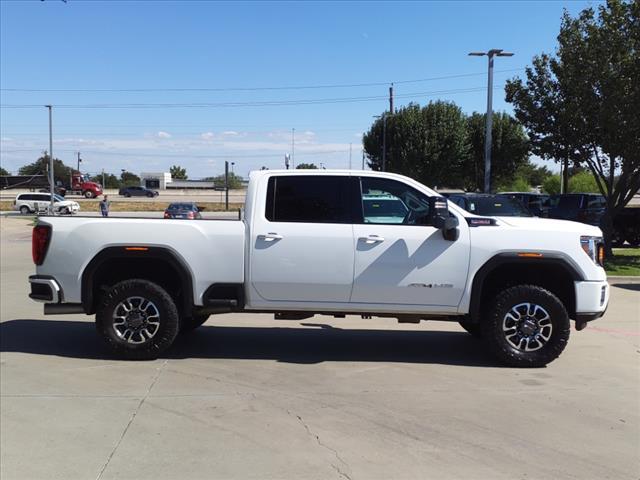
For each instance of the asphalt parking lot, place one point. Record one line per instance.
(246, 396)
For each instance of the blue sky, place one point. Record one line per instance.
(235, 48)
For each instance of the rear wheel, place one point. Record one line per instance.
(191, 323)
(65, 211)
(24, 210)
(527, 326)
(137, 319)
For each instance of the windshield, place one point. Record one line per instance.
(57, 198)
(497, 206)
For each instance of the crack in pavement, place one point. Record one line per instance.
(325, 446)
(133, 416)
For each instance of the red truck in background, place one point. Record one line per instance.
(81, 185)
(78, 184)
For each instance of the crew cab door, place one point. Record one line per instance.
(400, 259)
(302, 242)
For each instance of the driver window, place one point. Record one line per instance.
(391, 202)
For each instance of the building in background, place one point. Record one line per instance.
(155, 180)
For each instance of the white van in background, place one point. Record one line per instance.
(33, 202)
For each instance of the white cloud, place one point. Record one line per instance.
(163, 135)
(207, 136)
(230, 133)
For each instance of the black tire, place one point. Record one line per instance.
(188, 324)
(88, 194)
(471, 327)
(634, 239)
(556, 326)
(161, 336)
(617, 238)
(65, 211)
(24, 210)
(127, 194)
(150, 195)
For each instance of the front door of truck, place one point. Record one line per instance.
(302, 243)
(400, 259)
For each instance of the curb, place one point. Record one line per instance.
(622, 278)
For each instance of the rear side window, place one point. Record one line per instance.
(308, 199)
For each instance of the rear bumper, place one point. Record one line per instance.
(45, 289)
(592, 299)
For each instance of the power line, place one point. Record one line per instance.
(249, 89)
(179, 155)
(269, 103)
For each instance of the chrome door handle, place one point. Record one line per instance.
(373, 239)
(271, 236)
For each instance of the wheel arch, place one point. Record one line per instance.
(160, 265)
(552, 271)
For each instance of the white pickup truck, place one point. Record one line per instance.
(331, 243)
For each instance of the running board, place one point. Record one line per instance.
(62, 308)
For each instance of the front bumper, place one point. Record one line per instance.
(45, 289)
(592, 299)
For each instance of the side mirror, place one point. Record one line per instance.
(439, 217)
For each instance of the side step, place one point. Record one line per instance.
(292, 315)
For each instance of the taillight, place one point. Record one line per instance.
(190, 215)
(39, 243)
(166, 215)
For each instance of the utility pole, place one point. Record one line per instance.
(226, 185)
(50, 158)
(362, 158)
(495, 52)
(103, 185)
(391, 99)
(293, 145)
(79, 160)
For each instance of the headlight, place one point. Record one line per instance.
(593, 247)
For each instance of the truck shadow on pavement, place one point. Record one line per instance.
(306, 344)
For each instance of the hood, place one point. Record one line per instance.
(550, 225)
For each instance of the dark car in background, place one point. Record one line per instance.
(490, 205)
(186, 210)
(137, 192)
(579, 207)
(536, 203)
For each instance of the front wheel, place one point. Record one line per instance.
(137, 319)
(89, 194)
(527, 326)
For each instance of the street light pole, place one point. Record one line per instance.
(489, 119)
(50, 159)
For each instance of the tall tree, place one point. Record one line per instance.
(582, 103)
(178, 173)
(306, 166)
(61, 172)
(110, 180)
(429, 144)
(3, 171)
(509, 150)
(128, 179)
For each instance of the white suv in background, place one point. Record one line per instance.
(32, 202)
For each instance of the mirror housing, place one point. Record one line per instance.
(440, 218)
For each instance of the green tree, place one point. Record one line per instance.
(534, 174)
(583, 182)
(306, 166)
(429, 144)
(514, 184)
(582, 103)
(551, 186)
(178, 173)
(3, 171)
(128, 179)
(235, 181)
(61, 172)
(110, 180)
(509, 150)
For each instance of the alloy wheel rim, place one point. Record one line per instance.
(136, 320)
(527, 327)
